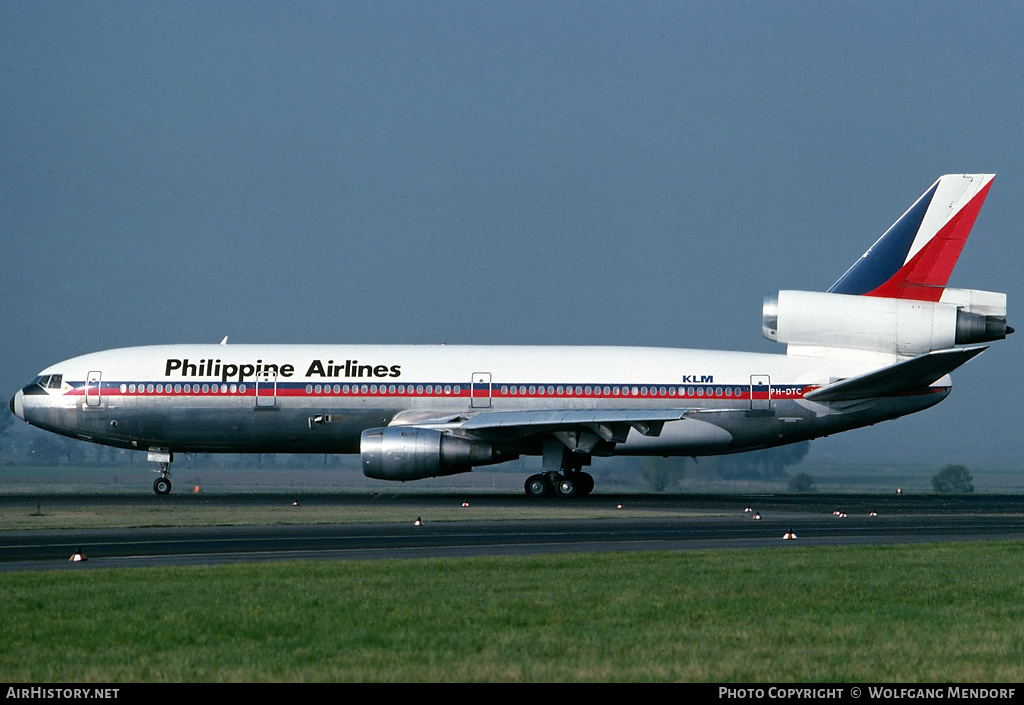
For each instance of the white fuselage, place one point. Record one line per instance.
(320, 398)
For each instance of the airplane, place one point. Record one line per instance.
(879, 344)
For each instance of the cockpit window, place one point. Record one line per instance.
(49, 381)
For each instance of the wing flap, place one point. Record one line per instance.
(606, 424)
(907, 376)
(554, 418)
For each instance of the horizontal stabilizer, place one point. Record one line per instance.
(910, 375)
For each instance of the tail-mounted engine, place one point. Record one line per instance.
(411, 453)
(876, 324)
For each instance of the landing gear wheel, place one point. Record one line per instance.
(567, 487)
(584, 484)
(162, 485)
(538, 486)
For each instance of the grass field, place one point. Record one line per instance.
(927, 613)
(49, 512)
(936, 612)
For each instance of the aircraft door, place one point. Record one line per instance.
(760, 392)
(266, 389)
(93, 387)
(480, 390)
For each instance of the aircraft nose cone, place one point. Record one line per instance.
(17, 405)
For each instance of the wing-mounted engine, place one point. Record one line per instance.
(895, 326)
(413, 453)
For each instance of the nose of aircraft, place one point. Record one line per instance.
(17, 405)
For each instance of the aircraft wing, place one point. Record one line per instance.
(556, 418)
(907, 376)
(605, 424)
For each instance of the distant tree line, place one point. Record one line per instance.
(765, 465)
(953, 479)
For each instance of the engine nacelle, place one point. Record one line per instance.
(876, 324)
(411, 453)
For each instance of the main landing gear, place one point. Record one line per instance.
(568, 481)
(567, 484)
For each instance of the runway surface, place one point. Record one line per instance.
(710, 522)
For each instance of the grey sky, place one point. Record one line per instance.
(495, 172)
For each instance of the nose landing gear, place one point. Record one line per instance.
(162, 484)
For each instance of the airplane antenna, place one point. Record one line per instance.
(225, 341)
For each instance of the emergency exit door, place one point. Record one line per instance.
(760, 392)
(480, 390)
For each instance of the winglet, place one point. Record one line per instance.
(915, 257)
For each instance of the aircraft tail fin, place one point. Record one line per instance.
(915, 257)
